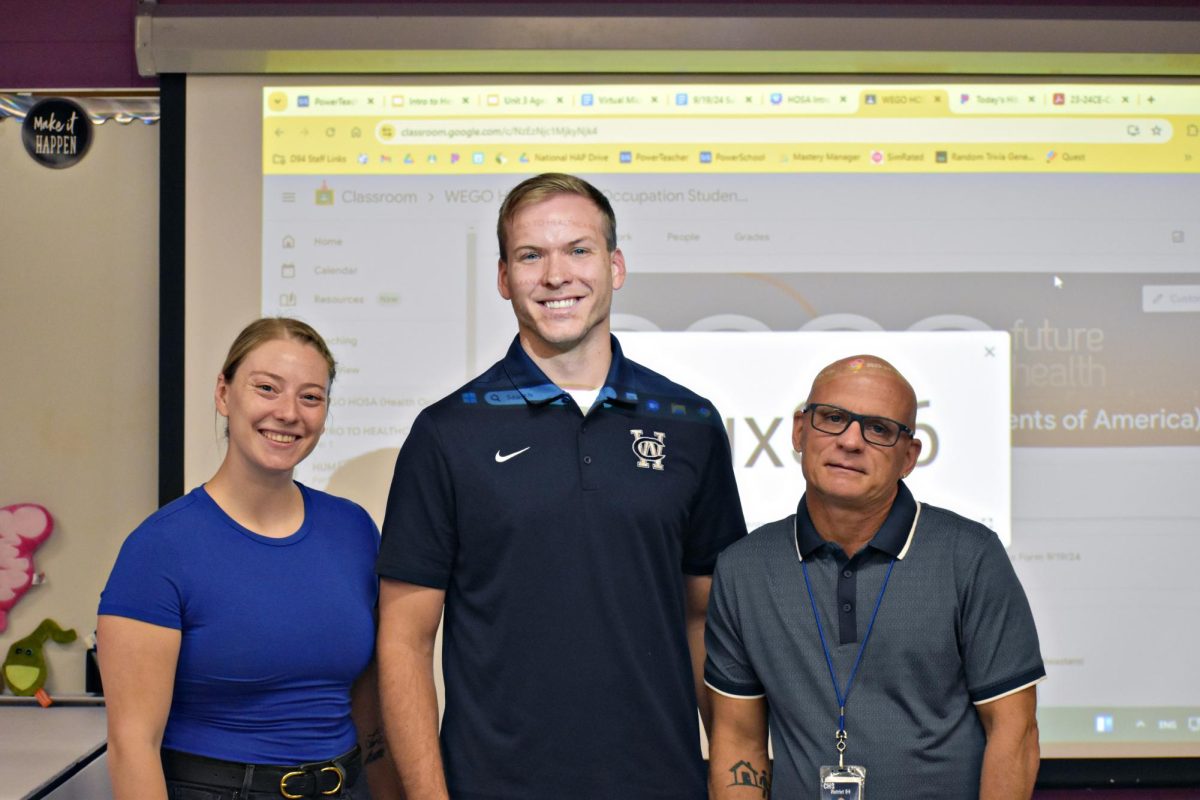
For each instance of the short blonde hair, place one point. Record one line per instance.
(543, 187)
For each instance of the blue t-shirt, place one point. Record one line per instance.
(274, 631)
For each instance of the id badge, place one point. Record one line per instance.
(843, 783)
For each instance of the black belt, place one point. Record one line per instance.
(318, 779)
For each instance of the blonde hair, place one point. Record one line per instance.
(268, 329)
(543, 187)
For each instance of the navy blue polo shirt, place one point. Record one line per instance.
(954, 630)
(562, 542)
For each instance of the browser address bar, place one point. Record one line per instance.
(1148, 130)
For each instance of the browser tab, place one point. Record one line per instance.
(708, 98)
(813, 100)
(994, 100)
(896, 102)
(622, 101)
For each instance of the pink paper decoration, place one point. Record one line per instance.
(23, 528)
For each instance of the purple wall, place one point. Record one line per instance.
(88, 44)
(68, 44)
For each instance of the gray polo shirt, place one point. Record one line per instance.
(954, 629)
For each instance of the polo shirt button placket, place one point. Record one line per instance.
(586, 476)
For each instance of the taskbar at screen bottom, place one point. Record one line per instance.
(1119, 731)
(1120, 747)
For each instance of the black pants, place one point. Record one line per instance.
(181, 790)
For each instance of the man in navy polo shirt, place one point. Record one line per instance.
(565, 509)
(890, 640)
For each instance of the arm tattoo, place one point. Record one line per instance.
(744, 774)
(374, 747)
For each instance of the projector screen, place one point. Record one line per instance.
(772, 221)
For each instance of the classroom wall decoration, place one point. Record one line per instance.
(23, 528)
(25, 665)
(57, 132)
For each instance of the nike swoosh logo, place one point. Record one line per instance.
(501, 459)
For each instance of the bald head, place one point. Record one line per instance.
(876, 371)
(852, 464)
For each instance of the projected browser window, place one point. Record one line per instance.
(1062, 216)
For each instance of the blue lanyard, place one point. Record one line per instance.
(842, 698)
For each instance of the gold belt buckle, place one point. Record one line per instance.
(283, 784)
(341, 776)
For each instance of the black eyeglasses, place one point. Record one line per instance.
(833, 420)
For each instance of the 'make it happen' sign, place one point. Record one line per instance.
(56, 132)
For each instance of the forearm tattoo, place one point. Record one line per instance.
(374, 747)
(743, 774)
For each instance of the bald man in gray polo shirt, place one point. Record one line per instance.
(884, 642)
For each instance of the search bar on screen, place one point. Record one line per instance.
(791, 130)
